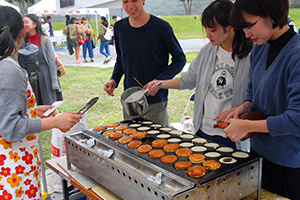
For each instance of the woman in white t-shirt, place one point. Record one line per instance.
(219, 73)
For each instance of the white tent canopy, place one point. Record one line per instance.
(46, 7)
(5, 3)
(64, 6)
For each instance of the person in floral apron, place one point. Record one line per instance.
(19, 122)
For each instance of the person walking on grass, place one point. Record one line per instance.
(104, 45)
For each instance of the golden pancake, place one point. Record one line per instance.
(168, 159)
(125, 140)
(145, 148)
(196, 171)
(159, 143)
(183, 152)
(111, 125)
(182, 165)
(157, 153)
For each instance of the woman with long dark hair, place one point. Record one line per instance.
(19, 157)
(274, 91)
(104, 45)
(48, 88)
(219, 73)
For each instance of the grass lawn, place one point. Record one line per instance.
(81, 84)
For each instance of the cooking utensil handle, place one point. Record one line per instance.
(158, 83)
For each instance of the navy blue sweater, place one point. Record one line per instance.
(144, 52)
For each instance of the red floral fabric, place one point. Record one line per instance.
(19, 163)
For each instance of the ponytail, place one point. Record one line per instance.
(11, 24)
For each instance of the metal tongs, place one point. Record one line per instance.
(87, 106)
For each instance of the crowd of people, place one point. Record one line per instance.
(90, 39)
(249, 65)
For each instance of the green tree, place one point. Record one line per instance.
(23, 5)
(187, 4)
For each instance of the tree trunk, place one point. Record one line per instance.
(187, 4)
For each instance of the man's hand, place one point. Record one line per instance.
(110, 86)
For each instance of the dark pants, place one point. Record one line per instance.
(218, 139)
(281, 180)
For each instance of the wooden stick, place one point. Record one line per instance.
(138, 82)
(214, 119)
(102, 82)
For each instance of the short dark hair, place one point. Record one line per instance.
(84, 18)
(114, 16)
(68, 17)
(277, 10)
(48, 17)
(72, 20)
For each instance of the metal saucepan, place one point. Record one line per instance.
(134, 100)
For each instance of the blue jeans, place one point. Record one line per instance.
(105, 45)
(88, 45)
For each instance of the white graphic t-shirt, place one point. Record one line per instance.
(219, 95)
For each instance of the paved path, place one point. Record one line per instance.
(190, 45)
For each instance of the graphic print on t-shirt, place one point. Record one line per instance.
(222, 79)
(220, 91)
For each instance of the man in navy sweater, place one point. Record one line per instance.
(143, 45)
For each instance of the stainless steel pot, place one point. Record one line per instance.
(136, 108)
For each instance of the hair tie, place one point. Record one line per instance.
(5, 27)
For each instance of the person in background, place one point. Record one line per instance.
(104, 45)
(112, 41)
(219, 73)
(274, 91)
(45, 26)
(20, 117)
(67, 17)
(50, 26)
(69, 43)
(48, 89)
(291, 23)
(116, 18)
(143, 45)
(88, 30)
(74, 31)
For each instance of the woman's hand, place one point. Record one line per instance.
(223, 115)
(67, 120)
(153, 89)
(237, 129)
(110, 86)
(42, 109)
(244, 108)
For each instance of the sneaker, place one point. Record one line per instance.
(92, 60)
(85, 60)
(107, 59)
(77, 62)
